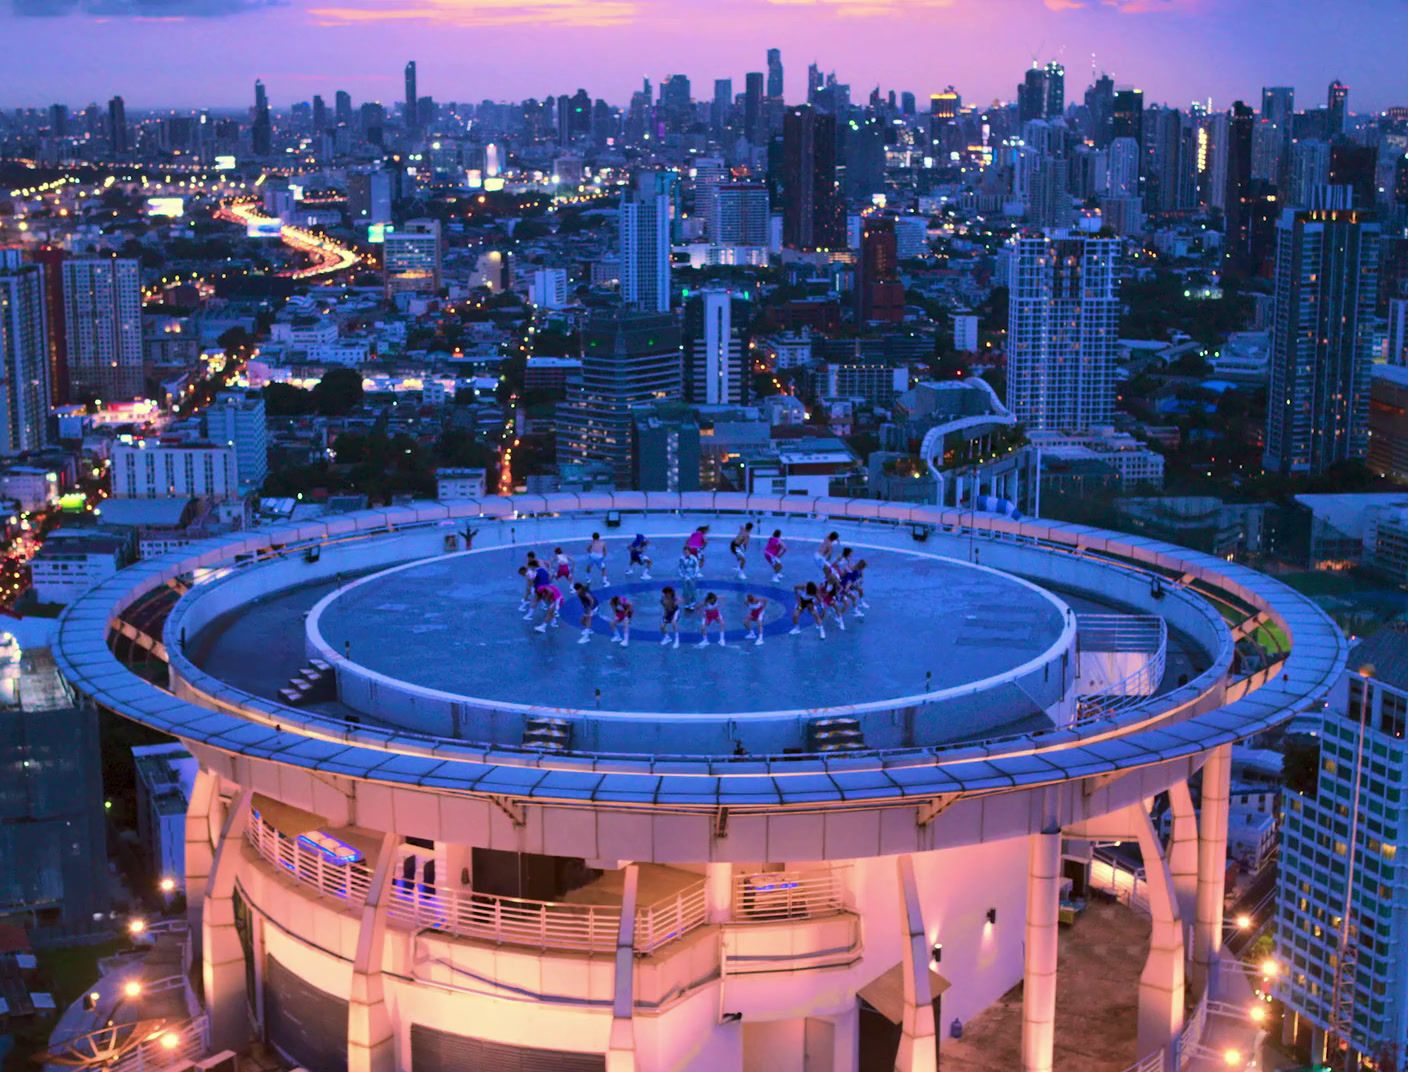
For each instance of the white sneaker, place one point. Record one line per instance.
(645, 576)
(860, 613)
(605, 583)
(626, 643)
(528, 617)
(703, 643)
(742, 576)
(541, 628)
(841, 624)
(722, 642)
(758, 643)
(664, 640)
(585, 637)
(615, 639)
(796, 630)
(677, 641)
(821, 632)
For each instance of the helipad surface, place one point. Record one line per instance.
(452, 625)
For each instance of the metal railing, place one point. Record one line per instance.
(1189, 1040)
(769, 896)
(157, 1053)
(490, 917)
(1139, 634)
(670, 918)
(1127, 885)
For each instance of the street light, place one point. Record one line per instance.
(1244, 922)
(136, 926)
(1270, 969)
(1257, 1013)
(132, 989)
(168, 885)
(1232, 1057)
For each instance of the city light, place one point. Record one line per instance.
(136, 926)
(132, 989)
(1232, 1057)
(168, 885)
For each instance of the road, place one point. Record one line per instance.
(328, 257)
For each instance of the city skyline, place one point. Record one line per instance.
(211, 50)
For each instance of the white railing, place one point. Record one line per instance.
(1128, 887)
(1115, 635)
(490, 917)
(1188, 1042)
(506, 920)
(670, 918)
(778, 895)
(157, 1053)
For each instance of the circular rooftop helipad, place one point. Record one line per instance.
(451, 626)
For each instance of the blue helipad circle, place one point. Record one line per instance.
(454, 625)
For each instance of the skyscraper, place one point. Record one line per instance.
(342, 108)
(1337, 105)
(629, 359)
(812, 213)
(236, 419)
(103, 327)
(879, 292)
(1326, 286)
(716, 353)
(117, 125)
(320, 114)
(1063, 321)
(721, 108)
(1236, 211)
(412, 98)
(1055, 102)
(412, 258)
(1031, 95)
(261, 133)
(1100, 110)
(644, 221)
(775, 73)
(1127, 114)
(1309, 170)
(24, 355)
(1355, 166)
(755, 125)
(738, 214)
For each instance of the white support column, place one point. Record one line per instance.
(205, 796)
(845, 1047)
(621, 1056)
(1183, 854)
(1212, 863)
(1161, 984)
(222, 958)
(718, 892)
(1039, 976)
(917, 1052)
(371, 1045)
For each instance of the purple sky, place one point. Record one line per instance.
(208, 52)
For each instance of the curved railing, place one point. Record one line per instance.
(482, 916)
(1140, 634)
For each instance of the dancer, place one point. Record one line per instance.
(713, 615)
(773, 551)
(753, 619)
(739, 547)
(623, 612)
(564, 565)
(689, 578)
(596, 556)
(589, 607)
(824, 551)
(535, 578)
(830, 596)
(639, 557)
(855, 588)
(669, 616)
(698, 540)
(550, 595)
(807, 603)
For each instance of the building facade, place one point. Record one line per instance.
(103, 327)
(236, 419)
(152, 469)
(644, 227)
(24, 356)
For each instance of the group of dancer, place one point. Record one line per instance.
(839, 590)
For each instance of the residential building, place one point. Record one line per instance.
(24, 356)
(166, 775)
(1388, 421)
(813, 217)
(157, 469)
(72, 561)
(629, 359)
(548, 289)
(1063, 325)
(1326, 287)
(1396, 352)
(665, 454)
(738, 214)
(1134, 463)
(103, 327)
(965, 333)
(412, 258)
(879, 291)
(236, 419)
(460, 484)
(716, 371)
(644, 226)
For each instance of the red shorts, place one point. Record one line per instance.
(711, 616)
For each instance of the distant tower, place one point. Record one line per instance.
(117, 126)
(645, 246)
(812, 216)
(412, 100)
(24, 355)
(1337, 100)
(262, 133)
(775, 73)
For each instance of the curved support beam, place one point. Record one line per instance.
(621, 1056)
(1043, 946)
(200, 854)
(1212, 864)
(222, 957)
(918, 1041)
(1161, 984)
(1183, 854)
(371, 1045)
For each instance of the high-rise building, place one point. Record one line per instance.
(1100, 110)
(738, 214)
(879, 291)
(721, 108)
(1236, 213)
(1055, 102)
(1032, 95)
(1063, 322)
(412, 258)
(103, 327)
(812, 213)
(1340, 904)
(775, 84)
(320, 114)
(629, 359)
(1127, 114)
(236, 419)
(1123, 180)
(755, 126)
(1049, 203)
(1397, 349)
(1278, 105)
(117, 126)
(369, 197)
(261, 133)
(1309, 170)
(1355, 166)
(716, 373)
(412, 103)
(1326, 286)
(1337, 108)
(548, 290)
(342, 108)
(24, 355)
(644, 226)
(51, 259)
